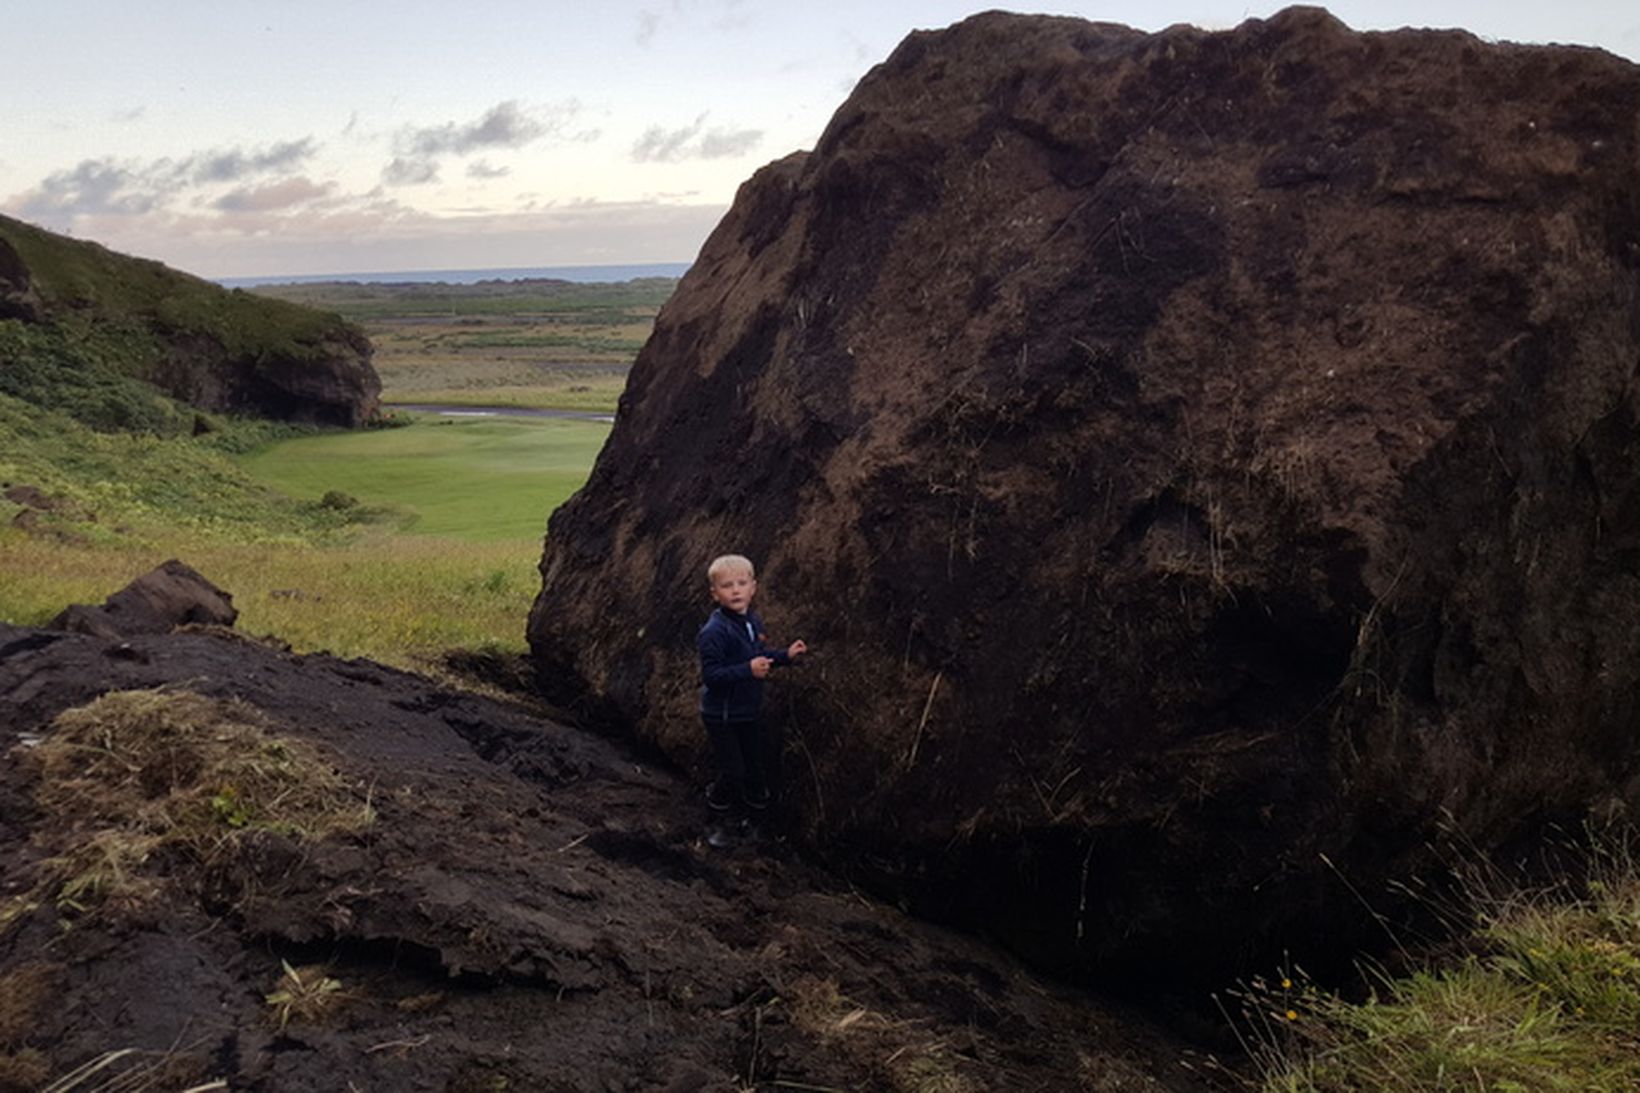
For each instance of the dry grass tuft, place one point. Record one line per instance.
(931, 1071)
(304, 994)
(819, 1008)
(129, 1070)
(137, 772)
(906, 1062)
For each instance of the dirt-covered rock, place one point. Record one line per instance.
(1188, 454)
(170, 595)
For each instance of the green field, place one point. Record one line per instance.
(476, 479)
(439, 552)
(538, 344)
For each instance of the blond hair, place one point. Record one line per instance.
(729, 563)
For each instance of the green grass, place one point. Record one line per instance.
(399, 599)
(138, 479)
(480, 480)
(1547, 998)
(343, 580)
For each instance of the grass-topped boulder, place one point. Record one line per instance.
(1188, 455)
(117, 342)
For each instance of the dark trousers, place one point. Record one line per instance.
(744, 757)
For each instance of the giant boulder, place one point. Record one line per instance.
(1205, 465)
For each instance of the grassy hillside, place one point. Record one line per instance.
(79, 281)
(102, 321)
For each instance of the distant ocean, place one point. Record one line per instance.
(582, 274)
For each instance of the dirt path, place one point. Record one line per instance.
(532, 909)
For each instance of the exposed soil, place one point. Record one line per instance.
(532, 908)
(1206, 466)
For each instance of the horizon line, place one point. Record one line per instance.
(457, 273)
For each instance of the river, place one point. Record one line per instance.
(500, 411)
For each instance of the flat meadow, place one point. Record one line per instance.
(528, 344)
(472, 479)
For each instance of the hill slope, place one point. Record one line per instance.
(89, 331)
(495, 902)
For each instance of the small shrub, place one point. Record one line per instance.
(338, 501)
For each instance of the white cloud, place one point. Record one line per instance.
(283, 194)
(418, 150)
(648, 23)
(97, 186)
(235, 163)
(342, 234)
(409, 172)
(105, 185)
(661, 145)
(482, 168)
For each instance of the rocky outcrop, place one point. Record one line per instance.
(326, 379)
(169, 596)
(18, 300)
(1188, 454)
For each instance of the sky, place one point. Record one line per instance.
(239, 139)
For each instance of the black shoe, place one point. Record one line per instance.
(756, 799)
(717, 800)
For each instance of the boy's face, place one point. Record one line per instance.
(734, 590)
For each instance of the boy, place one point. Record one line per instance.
(734, 662)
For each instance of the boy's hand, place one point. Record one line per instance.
(797, 649)
(760, 667)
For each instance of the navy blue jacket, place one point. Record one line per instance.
(727, 644)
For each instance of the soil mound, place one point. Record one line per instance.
(170, 595)
(220, 862)
(1188, 454)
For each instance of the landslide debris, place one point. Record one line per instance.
(1205, 466)
(317, 874)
